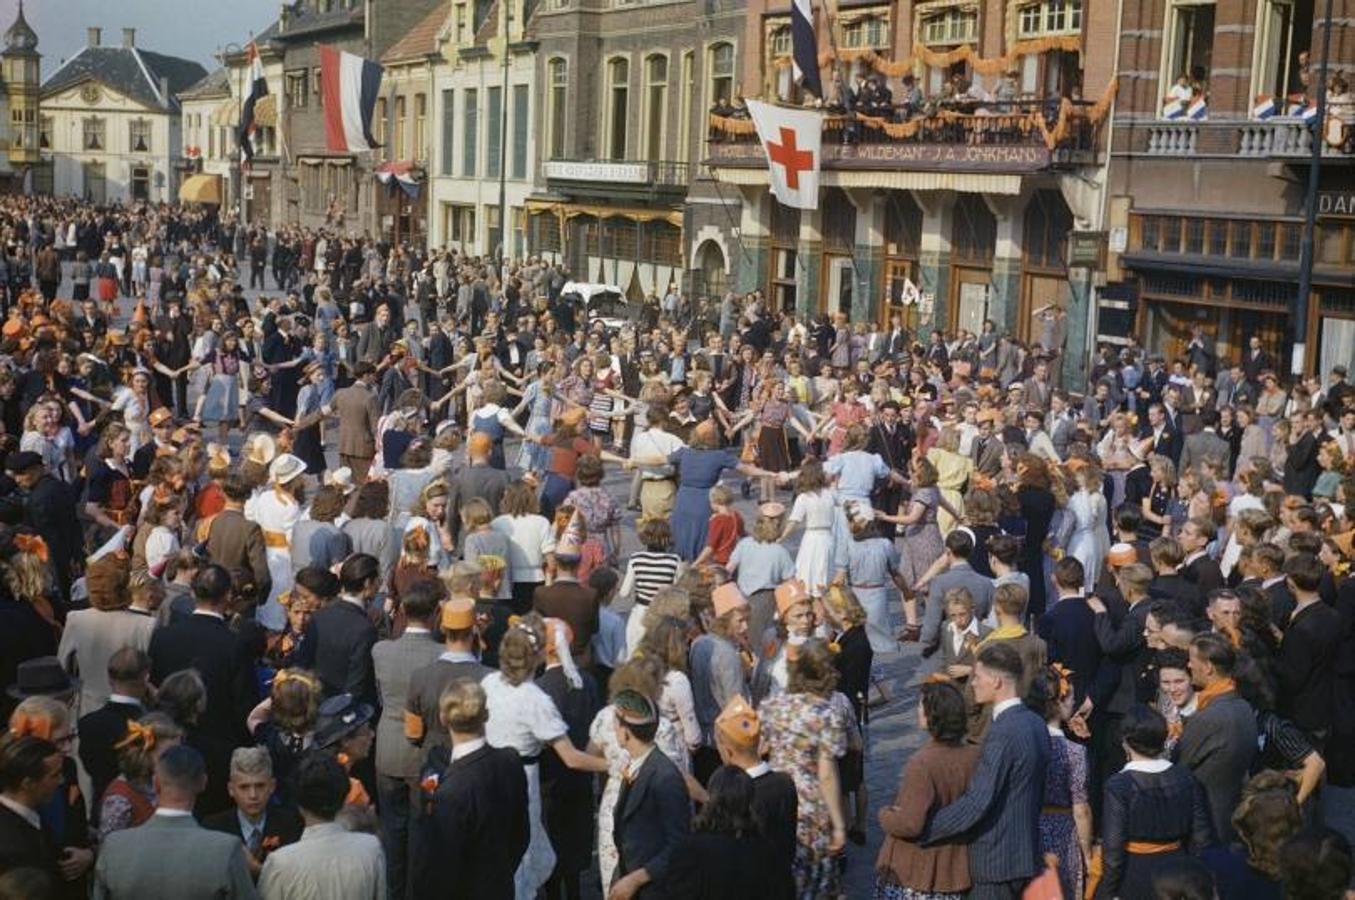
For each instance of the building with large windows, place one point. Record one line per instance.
(969, 192)
(482, 110)
(620, 193)
(1209, 210)
(110, 121)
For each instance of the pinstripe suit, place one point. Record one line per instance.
(398, 761)
(999, 813)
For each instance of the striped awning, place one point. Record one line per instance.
(228, 113)
(201, 189)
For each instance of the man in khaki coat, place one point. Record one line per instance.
(358, 412)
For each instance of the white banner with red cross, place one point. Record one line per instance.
(791, 138)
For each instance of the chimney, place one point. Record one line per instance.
(129, 37)
(164, 89)
(94, 34)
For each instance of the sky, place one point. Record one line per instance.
(193, 29)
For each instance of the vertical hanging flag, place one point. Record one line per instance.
(805, 47)
(791, 139)
(258, 87)
(348, 86)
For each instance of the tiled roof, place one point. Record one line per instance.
(419, 41)
(128, 70)
(303, 19)
(217, 84)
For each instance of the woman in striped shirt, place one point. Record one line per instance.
(647, 570)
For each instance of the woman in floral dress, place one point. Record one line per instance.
(632, 676)
(1065, 817)
(804, 733)
(844, 414)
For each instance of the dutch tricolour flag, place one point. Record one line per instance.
(1197, 110)
(1264, 108)
(805, 47)
(258, 87)
(349, 85)
(1309, 113)
(1174, 109)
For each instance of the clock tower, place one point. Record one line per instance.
(19, 62)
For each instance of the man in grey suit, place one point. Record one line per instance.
(1219, 740)
(998, 815)
(397, 761)
(959, 574)
(171, 855)
(1206, 443)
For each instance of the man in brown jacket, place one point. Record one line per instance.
(235, 542)
(567, 599)
(358, 412)
(47, 268)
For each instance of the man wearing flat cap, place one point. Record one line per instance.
(652, 809)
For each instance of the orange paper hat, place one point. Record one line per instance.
(1122, 555)
(789, 593)
(727, 598)
(739, 724)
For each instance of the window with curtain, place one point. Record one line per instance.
(94, 134)
(493, 131)
(521, 111)
(557, 74)
(448, 130)
(139, 136)
(656, 103)
(618, 102)
(470, 134)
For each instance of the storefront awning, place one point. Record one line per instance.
(266, 111)
(565, 211)
(201, 189)
(228, 113)
(965, 182)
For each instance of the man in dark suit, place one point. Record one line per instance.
(260, 825)
(566, 794)
(775, 802)
(397, 762)
(474, 829)
(1166, 440)
(1267, 567)
(1307, 660)
(652, 810)
(999, 813)
(1123, 645)
(1219, 740)
(1301, 467)
(340, 638)
(1199, 568)
(49, 509)
(423, 727)
(576, 603)
(894, 444)
(129, 672)
(30, 775)
(205, 642)
(1256, 361)
(1069, 632)
(987, 449)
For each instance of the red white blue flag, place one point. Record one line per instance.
(349, 86)
(258, 87)
(805, 47)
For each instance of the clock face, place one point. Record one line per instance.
(90, 93)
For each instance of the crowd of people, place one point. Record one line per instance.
(328, 592)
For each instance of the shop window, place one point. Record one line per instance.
(1047, 223)
(1265, 240)
(1171, 235)
(975, 234)
(1218, 238)
(1195, 236)
(1239, 240)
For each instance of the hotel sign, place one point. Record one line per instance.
(1336, 204)
(1008, 159)
(610, 172)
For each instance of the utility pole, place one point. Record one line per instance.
(503, 141)
(1299, 315)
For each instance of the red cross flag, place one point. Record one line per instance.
(791, 139)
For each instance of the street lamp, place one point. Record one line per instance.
(1318, 125)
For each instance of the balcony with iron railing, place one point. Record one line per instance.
(646, 180)
(1001, 136)
(1283, 138)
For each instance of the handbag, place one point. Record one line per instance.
(1044, 886)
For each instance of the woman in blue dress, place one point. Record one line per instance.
(539, 400)
(699, 468)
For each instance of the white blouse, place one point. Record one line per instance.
(522, 717)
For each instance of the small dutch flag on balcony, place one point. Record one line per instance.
(1197, 110)
(1264, 108)
(1174, 109)
(1309, 113)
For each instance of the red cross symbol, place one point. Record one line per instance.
(794, 161)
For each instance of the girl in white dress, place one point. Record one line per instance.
(814, 510)
(277, 509)
(1090, 539)
(523, 717)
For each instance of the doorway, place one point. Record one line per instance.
(141, 183)
(970, 289)
(838, 275)
(900, 298)
(96, 185)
